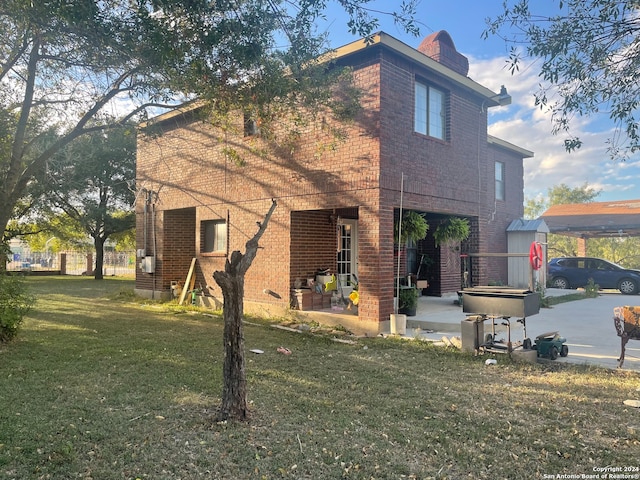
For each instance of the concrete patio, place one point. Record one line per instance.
(587, 325)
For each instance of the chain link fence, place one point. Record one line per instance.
(75, 263)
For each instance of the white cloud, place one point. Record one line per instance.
(526, 125)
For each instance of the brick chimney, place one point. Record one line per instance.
(440, 47)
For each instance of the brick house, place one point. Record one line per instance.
(420, 139)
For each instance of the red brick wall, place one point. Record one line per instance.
(196, 179)
(313, 243)
(452, 177)
(502, 212)
(188, 168)
(179, 242)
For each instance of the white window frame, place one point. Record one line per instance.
(430, 111)
(214, 236)
(500, 180)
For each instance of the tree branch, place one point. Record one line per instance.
(252, 244)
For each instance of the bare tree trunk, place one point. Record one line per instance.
(231, 281)
(99, 245)
(234, 391)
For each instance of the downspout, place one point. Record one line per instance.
(146, 222)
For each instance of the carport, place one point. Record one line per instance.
(594, 220)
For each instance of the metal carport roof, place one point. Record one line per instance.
(595, 219)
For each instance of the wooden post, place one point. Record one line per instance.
(188, 283)
(63, 264)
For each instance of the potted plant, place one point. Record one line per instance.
(414, 227)
(453, 229)
(408, 301)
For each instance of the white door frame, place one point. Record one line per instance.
(349, 239)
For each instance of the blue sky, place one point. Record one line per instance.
(521, 123)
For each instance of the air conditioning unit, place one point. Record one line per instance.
(148, 264)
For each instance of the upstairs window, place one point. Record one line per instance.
(499, 181)
(213, 236)
(430, 111)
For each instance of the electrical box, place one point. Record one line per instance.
(141, 252)
(148, 264)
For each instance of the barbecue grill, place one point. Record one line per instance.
(484, 303)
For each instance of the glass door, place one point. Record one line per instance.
(347, 260)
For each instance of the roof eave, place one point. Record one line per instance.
(174, 113)
(383, 39)
(509, 146)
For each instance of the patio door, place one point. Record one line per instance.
(347, 260)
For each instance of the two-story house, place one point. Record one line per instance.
(419, 143)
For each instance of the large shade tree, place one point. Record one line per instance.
(590, 62)
(91, 182)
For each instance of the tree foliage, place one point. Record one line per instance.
(65, 63)
(590, 53)
(91, 182)
(559, 195)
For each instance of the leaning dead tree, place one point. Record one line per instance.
(231, 281)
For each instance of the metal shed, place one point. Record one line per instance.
(520, 234)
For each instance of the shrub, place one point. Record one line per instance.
(591, 289)
(15, 302)
(408, 298)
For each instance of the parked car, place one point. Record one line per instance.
(574, 272)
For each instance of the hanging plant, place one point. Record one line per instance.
(414, 227)
(453, 229)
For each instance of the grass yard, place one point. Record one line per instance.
(99, 385)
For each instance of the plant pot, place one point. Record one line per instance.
(398, 324)
(408, 311)
(408, 301)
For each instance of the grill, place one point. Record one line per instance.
(496, 304)
(501, 302)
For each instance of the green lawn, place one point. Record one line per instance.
(100, 385)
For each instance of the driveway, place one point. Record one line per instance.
(586, 324)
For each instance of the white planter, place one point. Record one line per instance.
(398, 324)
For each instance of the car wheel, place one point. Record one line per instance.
(564, 351)
(627, 286)
(560, 282)
(553, 353)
